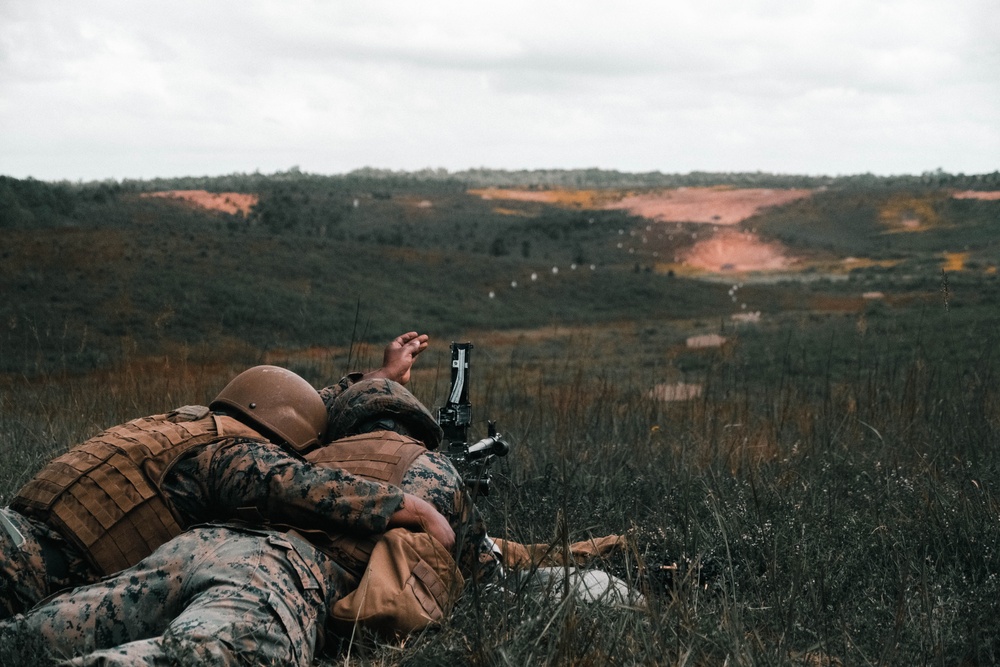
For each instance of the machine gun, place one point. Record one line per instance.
(472, 460)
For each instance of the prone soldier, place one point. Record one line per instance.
(218, 594)
(114, 499)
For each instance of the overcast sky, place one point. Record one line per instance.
(125, 89)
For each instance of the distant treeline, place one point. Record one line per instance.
(601, 178)
(533, 178)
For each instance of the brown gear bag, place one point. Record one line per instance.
(411, 582)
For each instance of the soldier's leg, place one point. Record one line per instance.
(210, 596)
(270, 616)
(34, 562)
(22, 581)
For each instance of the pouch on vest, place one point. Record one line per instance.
(411, 582)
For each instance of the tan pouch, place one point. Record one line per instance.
(410, 582)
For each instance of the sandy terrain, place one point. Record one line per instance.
(729, 250)
(723, 251)
(976, 194)
(226, 202)
(558, 196)
(954, 261)
(721, 206)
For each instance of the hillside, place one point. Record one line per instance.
(781, 391)
(94, 271)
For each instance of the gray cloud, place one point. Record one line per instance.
(123, 89)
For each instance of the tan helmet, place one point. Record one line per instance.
(279, 401)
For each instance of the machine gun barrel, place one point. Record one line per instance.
(493, 445)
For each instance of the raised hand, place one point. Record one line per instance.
(399, 355)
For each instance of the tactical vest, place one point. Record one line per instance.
(104, 494)
(382, 456)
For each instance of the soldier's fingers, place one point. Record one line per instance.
(439, 528)
(403, 339)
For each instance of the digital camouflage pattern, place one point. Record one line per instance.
(236, 595)
(330, 393)
(220, 595)
(374, 404)
(198, 489)
(34, 560)
(215, 595)
(434, 478)
(228, 479)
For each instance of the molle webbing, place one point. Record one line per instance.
(382, 456)
(104, 494)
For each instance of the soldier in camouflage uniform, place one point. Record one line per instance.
(238, 595)
(111, 501)
(384, 412)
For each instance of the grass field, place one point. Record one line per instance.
(829, 494)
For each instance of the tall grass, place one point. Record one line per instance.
(826, 499)
(848, 514)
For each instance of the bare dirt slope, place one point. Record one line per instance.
(226, 202)
(977, 194)
(729, 250)
(721, 206)
(717, 250)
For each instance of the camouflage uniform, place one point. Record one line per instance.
(434, 478)
(227, 479)
(355, 406)
(214, 595)
(35, 560)
(228, 594)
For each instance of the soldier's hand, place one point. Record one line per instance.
(399, 355)
(419, 515)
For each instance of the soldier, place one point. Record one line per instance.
(380, 431)
(112, 500)
(228, 594)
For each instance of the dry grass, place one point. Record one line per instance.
(829, 497)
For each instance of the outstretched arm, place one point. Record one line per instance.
(228, 479)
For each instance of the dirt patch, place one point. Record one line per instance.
(559, 197)
(848, 264)
(905, 213)
(720, 206)
(977, 194)
(729, 250)
(227, 202)
(954, 261)
(831, 303)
